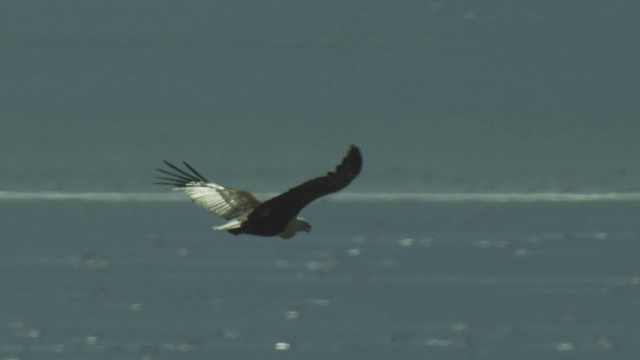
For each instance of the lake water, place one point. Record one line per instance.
(373, 280)
(449, 97)
(496, 216)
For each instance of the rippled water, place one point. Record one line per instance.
(523, 113)
(373, 280)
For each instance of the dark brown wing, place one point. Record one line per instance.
(288, 204)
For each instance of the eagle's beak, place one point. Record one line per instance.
(309, 228)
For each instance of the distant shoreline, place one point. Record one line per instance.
(340, 197)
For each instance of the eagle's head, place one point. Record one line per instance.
(293, 226)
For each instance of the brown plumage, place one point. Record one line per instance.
(247, 215)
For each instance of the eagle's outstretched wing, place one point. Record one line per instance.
(289, 203)
(224, 202)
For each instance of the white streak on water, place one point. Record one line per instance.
(340, 197)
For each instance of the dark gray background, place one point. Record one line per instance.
(457, 96)
(443, 97)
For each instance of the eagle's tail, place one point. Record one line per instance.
(233, 224)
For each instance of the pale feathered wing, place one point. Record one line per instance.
(231, 204)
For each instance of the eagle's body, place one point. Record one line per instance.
(246, 214)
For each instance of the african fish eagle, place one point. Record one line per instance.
(246, 214)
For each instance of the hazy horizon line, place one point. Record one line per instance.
(338, 197)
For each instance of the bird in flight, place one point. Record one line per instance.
(248, 215)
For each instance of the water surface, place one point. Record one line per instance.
(458, 280)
